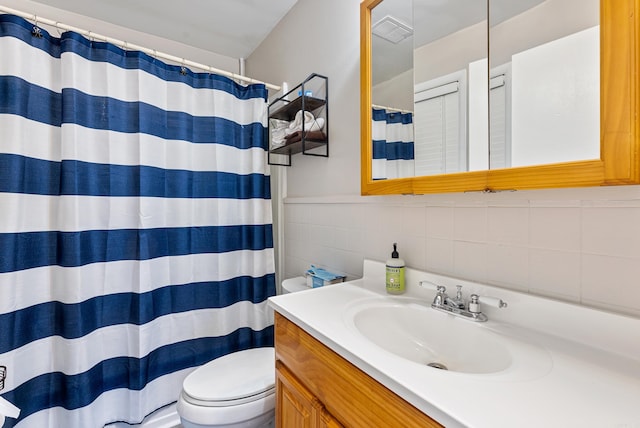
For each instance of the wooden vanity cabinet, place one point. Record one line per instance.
(297, 406)
(315, 387)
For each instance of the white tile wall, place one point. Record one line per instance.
(555, 273)
(555, 228)
(578, 245)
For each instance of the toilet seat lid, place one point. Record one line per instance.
(241, 376)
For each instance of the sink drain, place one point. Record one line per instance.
(438, 366)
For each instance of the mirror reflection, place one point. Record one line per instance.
(438, 81)
(392, 129)
(545, 81)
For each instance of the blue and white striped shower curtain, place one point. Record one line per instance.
(135, 227)
(393, 152)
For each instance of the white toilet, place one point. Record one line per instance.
(236, 390)
(292, 285)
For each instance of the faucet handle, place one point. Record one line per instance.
(492, 301)
(459, 292)
(474, 303)
(432, 286)
(441, 295)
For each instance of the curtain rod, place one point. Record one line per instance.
(130, 46)
(391, 108)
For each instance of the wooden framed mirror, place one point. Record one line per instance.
(619, 162)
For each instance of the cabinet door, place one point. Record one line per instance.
(326, 420)
(296, 407)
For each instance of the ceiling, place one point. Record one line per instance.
(232, 28)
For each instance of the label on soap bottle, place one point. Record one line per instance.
(395, 280)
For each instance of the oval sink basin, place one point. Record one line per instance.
(417, 333)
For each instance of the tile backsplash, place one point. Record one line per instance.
(577, 245)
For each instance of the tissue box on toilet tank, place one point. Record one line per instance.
(317, 277)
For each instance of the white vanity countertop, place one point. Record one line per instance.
(590, 376)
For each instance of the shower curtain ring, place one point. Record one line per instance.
(3, 376)
(36, 31)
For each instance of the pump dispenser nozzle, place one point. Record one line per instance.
(395, 272)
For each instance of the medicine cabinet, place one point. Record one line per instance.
(618, 162)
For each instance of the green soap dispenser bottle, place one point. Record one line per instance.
(395, 273)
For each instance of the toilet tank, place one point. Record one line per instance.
(291, 285)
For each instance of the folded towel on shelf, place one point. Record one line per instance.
(310, 123)
(278, 128)
(308, 136)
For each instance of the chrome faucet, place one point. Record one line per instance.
(441, 296)
(455, 302)
(457, 306)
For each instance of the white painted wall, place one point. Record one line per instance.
(321, 37)
(396, 92)
(580, 245)
(556, 101)
(453, 52)
(535, 27)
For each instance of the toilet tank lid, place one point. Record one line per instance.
(233, 376)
